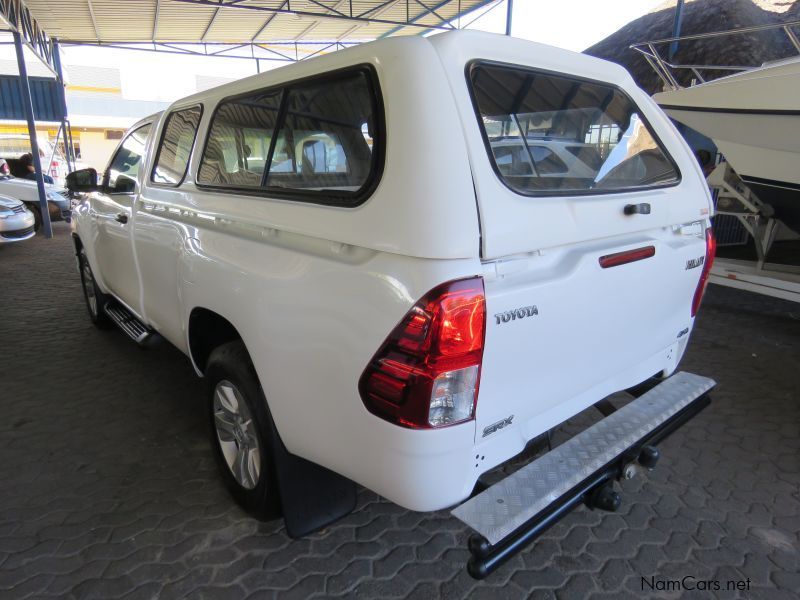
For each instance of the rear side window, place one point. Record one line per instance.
(549, 134)
(324, 142)
(239, 141)
(175, 149)
(318, 140)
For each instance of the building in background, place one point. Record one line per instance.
(99, 106)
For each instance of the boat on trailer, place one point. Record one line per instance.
(753, 117)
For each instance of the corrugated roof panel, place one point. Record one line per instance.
(287, 28)
(135, 20)
(234, 25)
(66, 19)
(44, 95)
(175, 23)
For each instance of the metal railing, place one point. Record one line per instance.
(666, 70)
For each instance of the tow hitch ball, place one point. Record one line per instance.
(604, 497)
(649, 456)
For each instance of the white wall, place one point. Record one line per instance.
(95, 149)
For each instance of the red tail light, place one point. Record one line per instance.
(711, 249)
(426, 373)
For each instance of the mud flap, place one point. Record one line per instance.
(311, 496)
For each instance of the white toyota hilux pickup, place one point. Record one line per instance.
(390, 272)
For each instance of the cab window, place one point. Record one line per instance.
(123, 171)
(239, 140)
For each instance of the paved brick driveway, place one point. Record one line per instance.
(108, 488)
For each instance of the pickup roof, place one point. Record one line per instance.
(376, 293)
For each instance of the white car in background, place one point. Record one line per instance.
(58, 201)
(545, 157)
(16, 221)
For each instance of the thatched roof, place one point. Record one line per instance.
(703, 16)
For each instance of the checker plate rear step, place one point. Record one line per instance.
(510, 514)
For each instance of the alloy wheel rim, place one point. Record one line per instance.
(236, 434)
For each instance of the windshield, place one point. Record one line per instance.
(555, 134)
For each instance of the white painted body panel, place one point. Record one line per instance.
(314, 290)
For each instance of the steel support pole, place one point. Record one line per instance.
(62, 96)
(27, 103)
(676, 28)
(509, 15)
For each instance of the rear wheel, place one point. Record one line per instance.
(95, 299)
(241, 430)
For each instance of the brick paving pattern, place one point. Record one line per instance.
(108, 488)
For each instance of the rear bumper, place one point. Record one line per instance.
(512, 513)
(433, 469)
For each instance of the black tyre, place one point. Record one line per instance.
(241, 430)
(37, 216)
(95, 299)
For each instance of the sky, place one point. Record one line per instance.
(571, 24)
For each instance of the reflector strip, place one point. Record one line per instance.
(629, 256)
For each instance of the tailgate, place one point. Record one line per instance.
(560, 325)
(593, 218)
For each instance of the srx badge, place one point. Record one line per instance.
(497, 426)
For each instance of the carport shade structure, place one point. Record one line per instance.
(274, 30)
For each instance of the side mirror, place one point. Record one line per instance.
(124, 185)
(82, 180)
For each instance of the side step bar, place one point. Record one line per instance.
(129, 324)
(512, 513)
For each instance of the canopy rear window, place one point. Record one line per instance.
(551, 134)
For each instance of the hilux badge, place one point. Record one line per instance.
(693, 263)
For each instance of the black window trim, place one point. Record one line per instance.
(564, 193)
(151, 181)
(320, 197)
(107, 173)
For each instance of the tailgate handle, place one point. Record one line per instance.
(637, 209)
